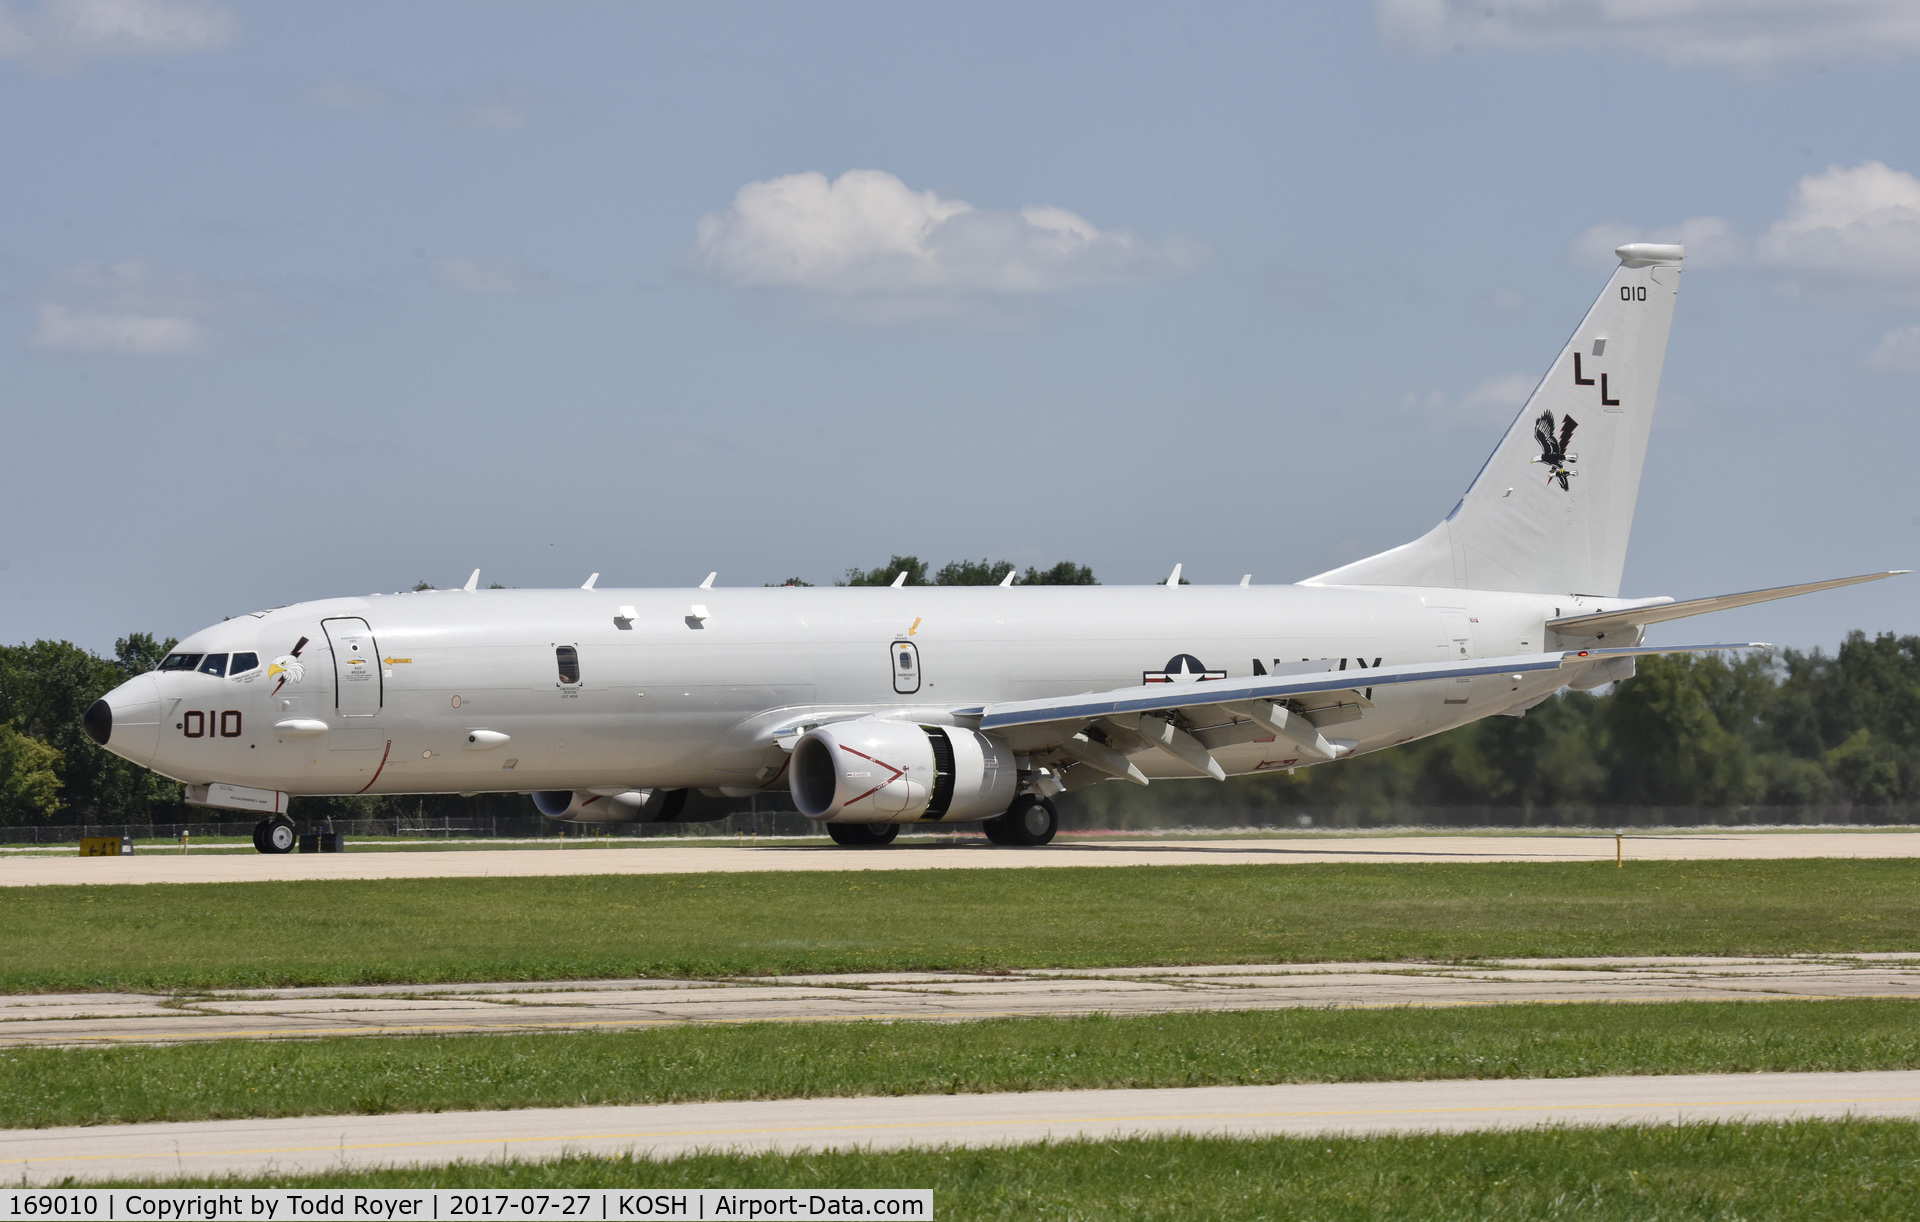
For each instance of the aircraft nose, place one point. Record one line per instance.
(98, 722)
(126, 721)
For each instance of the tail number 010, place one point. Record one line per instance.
(1633, 292)
(224, 724)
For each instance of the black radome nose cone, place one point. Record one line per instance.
(98, 721)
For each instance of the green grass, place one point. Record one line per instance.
(42, 1087)
(412, 930)
(1807, 1170)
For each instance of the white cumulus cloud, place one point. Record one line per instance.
(59, 34)
(868, 234)
(1861, 225)
(1898, 351)
(73, 329)
(1855, 231)
(1749, 35)
(131, 306)
(1494, 401)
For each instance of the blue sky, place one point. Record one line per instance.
(300, 300)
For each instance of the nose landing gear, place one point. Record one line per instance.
(275, 835)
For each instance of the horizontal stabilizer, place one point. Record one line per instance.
(1163, 697)
(1657, 611)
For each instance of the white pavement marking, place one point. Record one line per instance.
(126, 1018)
(657, 858)
(148, 1153)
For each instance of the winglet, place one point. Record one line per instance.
(473, 582)
(588, 583)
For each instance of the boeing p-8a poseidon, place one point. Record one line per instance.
(921, 705)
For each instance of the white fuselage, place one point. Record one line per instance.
(464, 691)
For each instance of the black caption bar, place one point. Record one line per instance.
(453, 1205)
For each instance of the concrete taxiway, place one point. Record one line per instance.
(655, 857)
(149, 1153)
(127, 1018)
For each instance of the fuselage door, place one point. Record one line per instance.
(906, 667)
(358, 690)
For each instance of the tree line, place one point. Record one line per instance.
(1785, 729)
(981, 572)
(50, 771)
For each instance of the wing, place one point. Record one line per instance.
(1164, 697)
(1658, 610)
(1100, 729)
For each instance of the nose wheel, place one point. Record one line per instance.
(863, 835)
(1030, 822)
(275, 835)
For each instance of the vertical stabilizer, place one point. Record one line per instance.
(1551, 510)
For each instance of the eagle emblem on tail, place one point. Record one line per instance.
(1553, 448)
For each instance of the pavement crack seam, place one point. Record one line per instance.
(1163, 1118)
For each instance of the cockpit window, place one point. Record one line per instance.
(215, 664)
(569, 659)
(242, 663)
(180, 661)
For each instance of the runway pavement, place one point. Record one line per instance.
(124, 1018)
(147, 1153)
(656, 857)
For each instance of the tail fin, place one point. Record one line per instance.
(1551, 510)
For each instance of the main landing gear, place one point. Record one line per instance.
(863, 835)
(1028, 823)
(275, 835)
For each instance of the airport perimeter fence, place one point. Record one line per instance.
(773, 821)
(768, 822)
(1599, 818)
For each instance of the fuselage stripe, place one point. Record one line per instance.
(377, 771)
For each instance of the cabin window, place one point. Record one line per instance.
(244, 662)
(569, 659)
(215, 664)
(180, 661)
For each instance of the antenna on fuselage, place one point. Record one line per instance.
(900, 580)
(708, 583)
(1173, 579)
(473, 582)
(588, 583)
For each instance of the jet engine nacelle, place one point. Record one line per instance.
(873, 770)
(598, 805)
